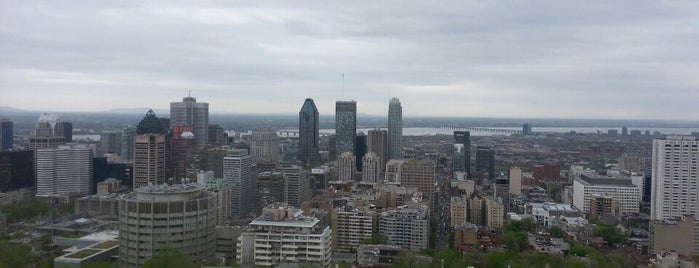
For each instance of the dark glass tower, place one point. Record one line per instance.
(345, 126)
(308, 133)
(6, 134)
(462, 138)
(150, 124)
(485, 160)
(360, 150)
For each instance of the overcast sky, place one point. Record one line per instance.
(549, 59)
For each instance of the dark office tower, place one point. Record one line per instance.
(332, 153)
(464, 138)
(308, 133)
(189, 112)
(377, 142)
(68, 131)
(485, 160)
(395, 129)
(526, 129)
(345, 126)
(16, 170)
(100, 172)
(150, 124)
(6, 135)
(624, 131)
(215, 134)
(184, 143)
(360, 149)
(47, 134)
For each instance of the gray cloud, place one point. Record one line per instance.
(620, 59)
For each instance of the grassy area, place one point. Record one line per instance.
(106, 244)
(83, 253)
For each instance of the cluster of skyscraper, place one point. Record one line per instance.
(379, 145)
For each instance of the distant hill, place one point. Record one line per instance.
(138, 110)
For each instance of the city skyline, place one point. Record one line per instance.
(528, 60)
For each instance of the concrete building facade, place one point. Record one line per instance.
(675, 177)
(182, 217)
(622, 190)
(395, 129)
(281, 235)
(406, 227)
(66, 170)
(189, 112)
(237, 169)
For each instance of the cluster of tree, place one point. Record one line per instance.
(25, 211)
(376, 239)
(452, 258)
(516, 234)
(22, 255)
(609, 233)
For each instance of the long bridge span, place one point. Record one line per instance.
(417, 131)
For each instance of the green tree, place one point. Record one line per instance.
(376, 239)
(579, 251)
(12, 255)
(556, 232)
(526, 225)
(168, 257)
(515, 241)
(609, 233)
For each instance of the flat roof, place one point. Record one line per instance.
(287, 223)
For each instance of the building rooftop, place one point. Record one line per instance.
(590, 179)
(281, 215)
(549, 206)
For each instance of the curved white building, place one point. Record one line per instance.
(151, 218)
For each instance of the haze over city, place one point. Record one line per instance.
(546, 59)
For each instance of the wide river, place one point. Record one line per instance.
(422, 131)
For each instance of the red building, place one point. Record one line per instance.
(547, 172)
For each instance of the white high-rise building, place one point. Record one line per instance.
(675, 178)
(237, 169)
(345, 167)
(395, 129)
(65, 170)
(189, 112)
(370, 171)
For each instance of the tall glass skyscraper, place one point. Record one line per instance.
(189, 112)
(462, 151)
(345, 126)
(308, 133)
(6, 134)
(395, 129)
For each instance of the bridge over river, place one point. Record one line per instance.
(418, 131)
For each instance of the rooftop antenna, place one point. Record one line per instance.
(343, 86)
(190, 93)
